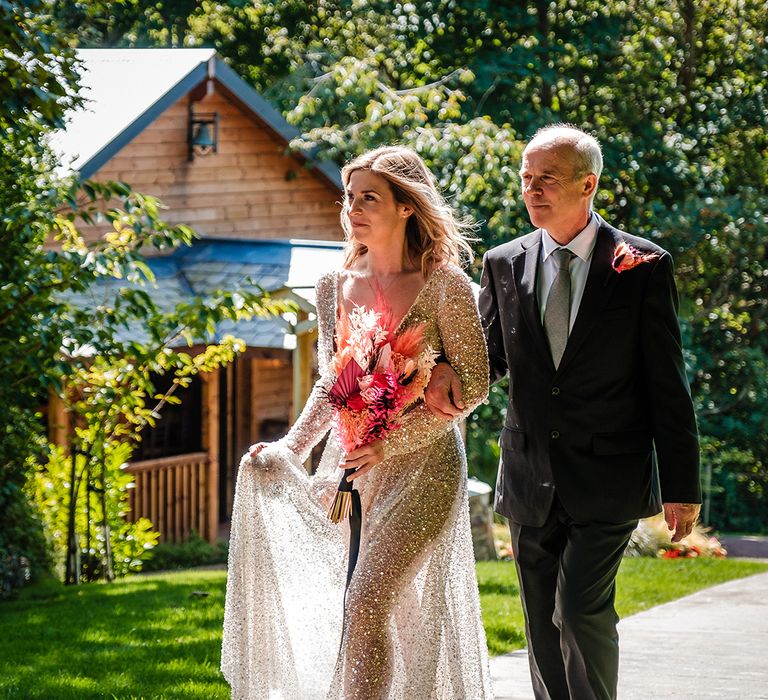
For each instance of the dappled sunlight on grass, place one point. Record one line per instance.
(142, 635)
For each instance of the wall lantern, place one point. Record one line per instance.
(202, 133)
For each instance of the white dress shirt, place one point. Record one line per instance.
(582, 247)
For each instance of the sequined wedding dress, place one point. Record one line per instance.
(412, 628)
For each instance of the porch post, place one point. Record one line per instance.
(306, 333)
(211, 446)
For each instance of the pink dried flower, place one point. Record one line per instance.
(625, 257)
(380, 372)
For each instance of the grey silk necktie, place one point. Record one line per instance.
(557, 314)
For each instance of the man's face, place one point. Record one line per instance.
(556, 200)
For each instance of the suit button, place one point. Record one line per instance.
(555, 391)
(554, 435)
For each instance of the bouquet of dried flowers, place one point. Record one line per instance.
(381, 371)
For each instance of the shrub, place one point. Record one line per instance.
(194, 552)
(129, 542)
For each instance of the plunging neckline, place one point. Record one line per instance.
(398, 328)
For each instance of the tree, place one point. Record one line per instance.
(38, 84)
(108, 374)
(673, 89)
(50, 343)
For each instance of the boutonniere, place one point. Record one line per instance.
(625, 257)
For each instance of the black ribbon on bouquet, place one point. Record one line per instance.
(347, 505)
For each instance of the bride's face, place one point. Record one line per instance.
(373, 214)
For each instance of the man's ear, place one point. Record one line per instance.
(590, 185)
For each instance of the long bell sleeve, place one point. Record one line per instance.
(316, 416)
(464, 346)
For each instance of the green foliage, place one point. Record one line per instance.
(93, 355)
(194, 552)
(38, 78)
(109, 392)
(37, 84)
(130, 542)
(85, 348)
(482, 438)
(738, 487)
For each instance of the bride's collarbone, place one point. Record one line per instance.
(399, 291)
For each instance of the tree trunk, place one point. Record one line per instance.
(109, 573)
(542, 11)
(72, 570)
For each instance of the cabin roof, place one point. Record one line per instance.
(209, 265)
(127, 89)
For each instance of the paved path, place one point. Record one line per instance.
(749, 546)
(709, 645)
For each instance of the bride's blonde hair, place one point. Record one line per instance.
(434, 234)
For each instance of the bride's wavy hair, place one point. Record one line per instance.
(435, 234)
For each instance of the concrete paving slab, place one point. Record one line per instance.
(710, 645)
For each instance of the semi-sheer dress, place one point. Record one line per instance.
(409, 627)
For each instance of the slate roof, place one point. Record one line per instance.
(213, 264)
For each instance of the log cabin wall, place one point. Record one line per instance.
(249, 189)
(270, 396)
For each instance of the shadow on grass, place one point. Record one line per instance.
(502, 640)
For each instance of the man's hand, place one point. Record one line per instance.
(363, 459)
(681, 517)
(443, 394)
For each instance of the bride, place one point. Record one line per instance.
(404, 622)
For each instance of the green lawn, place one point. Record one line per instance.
(156, 637)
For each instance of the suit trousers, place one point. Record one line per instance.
(567, 573)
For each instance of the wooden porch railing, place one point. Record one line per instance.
(177, 494)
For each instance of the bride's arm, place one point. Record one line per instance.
(313, 423)
(464, 347)
(315, 418)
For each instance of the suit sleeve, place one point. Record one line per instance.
(489, 315)
(674, 423)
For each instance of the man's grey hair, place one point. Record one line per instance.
(586, 148)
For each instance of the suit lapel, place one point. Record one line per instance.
(599, 286)
(525, 267)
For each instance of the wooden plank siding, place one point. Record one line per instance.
(271, 382)
(249, 189)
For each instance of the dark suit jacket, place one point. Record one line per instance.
(588, 429)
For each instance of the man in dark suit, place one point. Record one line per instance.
(600, 429)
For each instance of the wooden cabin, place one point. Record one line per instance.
(181, 125)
